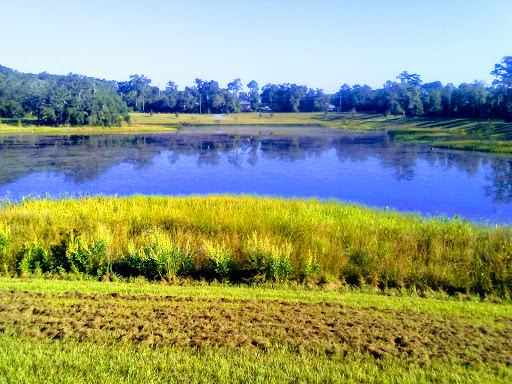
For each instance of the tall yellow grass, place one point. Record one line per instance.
(347, 241)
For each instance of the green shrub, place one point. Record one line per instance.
(271, 260)
(5, 243)
(33, 257)
(161, 257)
(311, 268)
(361, 264)
(143, 262)
(89, 257)
(219, 257)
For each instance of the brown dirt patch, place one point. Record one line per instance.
(188, 321)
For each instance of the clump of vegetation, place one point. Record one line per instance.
(219, 257)
(270, 260)
(158, 257)
(86, 257)
(311, 268)
(34, 259)
(5, 242)
(242, 238)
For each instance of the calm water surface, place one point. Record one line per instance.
(369, 169)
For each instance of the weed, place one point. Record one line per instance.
(33, 257)
(219, 257)
(311, 268)
(241, 237)
(85, 257)
(5, 243)
(271, 260)
(159, 256)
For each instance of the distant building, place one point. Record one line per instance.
(245, 106)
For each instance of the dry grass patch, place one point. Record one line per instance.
(332, 328)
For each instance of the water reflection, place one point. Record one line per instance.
(355, 167)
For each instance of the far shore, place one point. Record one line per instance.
(463, 134)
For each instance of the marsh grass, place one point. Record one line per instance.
(238, 237)
(5, 243)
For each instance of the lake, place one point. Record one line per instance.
(361, 168)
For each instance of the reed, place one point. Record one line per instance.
(243, 238)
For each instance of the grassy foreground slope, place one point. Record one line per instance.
(88, 331)
(252, 239)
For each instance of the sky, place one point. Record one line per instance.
(318, 43)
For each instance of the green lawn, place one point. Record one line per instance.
(30, 353)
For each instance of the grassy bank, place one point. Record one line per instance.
(466, 134)
(31, 126)
(89, 331)
(250, 239)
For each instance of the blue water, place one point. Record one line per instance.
(368, 169)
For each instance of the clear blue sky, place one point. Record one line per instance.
(318, 43)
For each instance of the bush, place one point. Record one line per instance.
(269, 259)
(219, 257)
(160, 257)
(86, 258)
(311, 268)
(5, 243)
(33, 257)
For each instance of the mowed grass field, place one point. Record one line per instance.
(89, 331)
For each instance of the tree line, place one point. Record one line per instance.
(79, 100)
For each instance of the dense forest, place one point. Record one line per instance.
(79, 100)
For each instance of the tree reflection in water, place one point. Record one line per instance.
(85, 158)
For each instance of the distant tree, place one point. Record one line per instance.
(254, 95)
(501, 93)
(503, 72)
(362, 98)
(188, 100)
(135, 92)
(431, 98)
(208, 90)
(343, 98)
(269, 95)
(235, 87)
(225, 102)
(315, 101)
(11, 108)
(411, 79)
(409, 94)
(469, 100)
(244, 97)
(292, 97)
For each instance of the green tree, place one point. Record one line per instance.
(235, 87)
(254, 95)
(501, 93)
(409, 94)
(503, 72)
